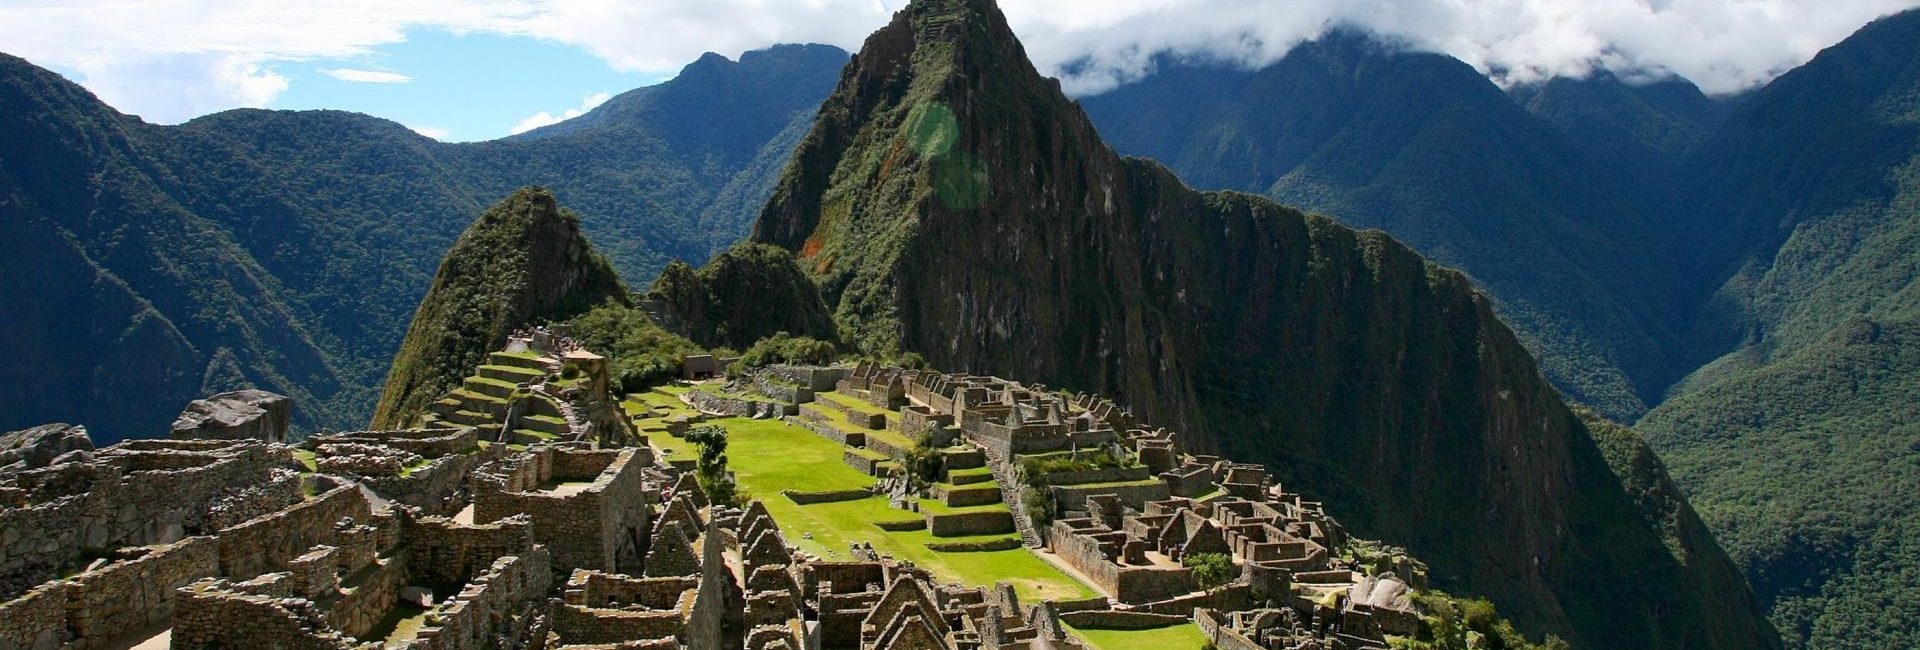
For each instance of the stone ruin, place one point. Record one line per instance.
(441, 537)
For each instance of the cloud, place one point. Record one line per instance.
(544, 118)
(368, 76)
(169, 60)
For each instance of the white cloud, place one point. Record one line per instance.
(544, 118)
(172, 59)
(368, 76)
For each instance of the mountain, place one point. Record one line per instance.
(286, 250)
(1426, 148)
(523, 261)
(1802, 443)
(952, 203)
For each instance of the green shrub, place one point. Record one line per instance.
(640, 354)
(1210, 569)
(711, 468)
(786, 348)
(922, 462)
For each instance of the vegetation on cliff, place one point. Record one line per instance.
(951, 202)
(523, 262)
(745, 294)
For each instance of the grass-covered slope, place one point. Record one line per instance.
(523, 262)
(951, 202)
(286, 250)
(1802, 445)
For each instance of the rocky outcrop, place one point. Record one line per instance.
(239, 415)
(41, 446)
(952, 202)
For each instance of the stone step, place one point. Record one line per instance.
(960, 496)
(467, 418)
(519, 361)
(489, 387)
(969, 476)
(510, 374)
(546, 424)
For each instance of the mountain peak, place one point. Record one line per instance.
(523, 262)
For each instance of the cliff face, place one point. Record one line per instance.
(950, 201)
(524, 262)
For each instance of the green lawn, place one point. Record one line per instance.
(306, 459)
(1176, 637)
(769, 456)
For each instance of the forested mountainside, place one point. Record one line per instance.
(1755, 285)
(1802, 444)
(951, 202)
(523, 261)
(1426, 148)
(147, 265)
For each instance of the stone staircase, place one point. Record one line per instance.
(1010, 492)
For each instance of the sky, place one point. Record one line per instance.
(463, 70)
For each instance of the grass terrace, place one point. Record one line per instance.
(1175, 637)
(769, 456)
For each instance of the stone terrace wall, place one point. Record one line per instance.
(266, 543)
(438, 488)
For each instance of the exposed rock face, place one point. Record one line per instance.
(41, 446)
(239, 415)
(952, 202)
(523, 262)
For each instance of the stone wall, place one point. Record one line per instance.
(429, 443)
(577, 624)
(1214, 626)
(602, 527)
(739, 407)
(502, 595)
(447, 553)
(132, 496)
(1137, 495)
(36, 620)
(122, 597)
(359, 610)
(1108, 619)
(829, 496)
(266, 543)
(994, 522)
(212, 617)
(439, 488)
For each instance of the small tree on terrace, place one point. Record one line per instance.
(711, 470)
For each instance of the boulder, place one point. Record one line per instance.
(40, 446)
(239, 415)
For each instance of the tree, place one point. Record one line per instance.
(711, 470)
(1210, 569)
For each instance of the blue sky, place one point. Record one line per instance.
(478, 69)
(460, 88)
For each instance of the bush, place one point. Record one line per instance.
(922, 461)
(1210, 569)
(640, 354)
(785, 348)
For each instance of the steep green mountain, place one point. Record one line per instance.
(1640, 132)
(951, 202)
(1426, 148)
(783, 299)
(286, 250)
(523, 262)
(1802, 444)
